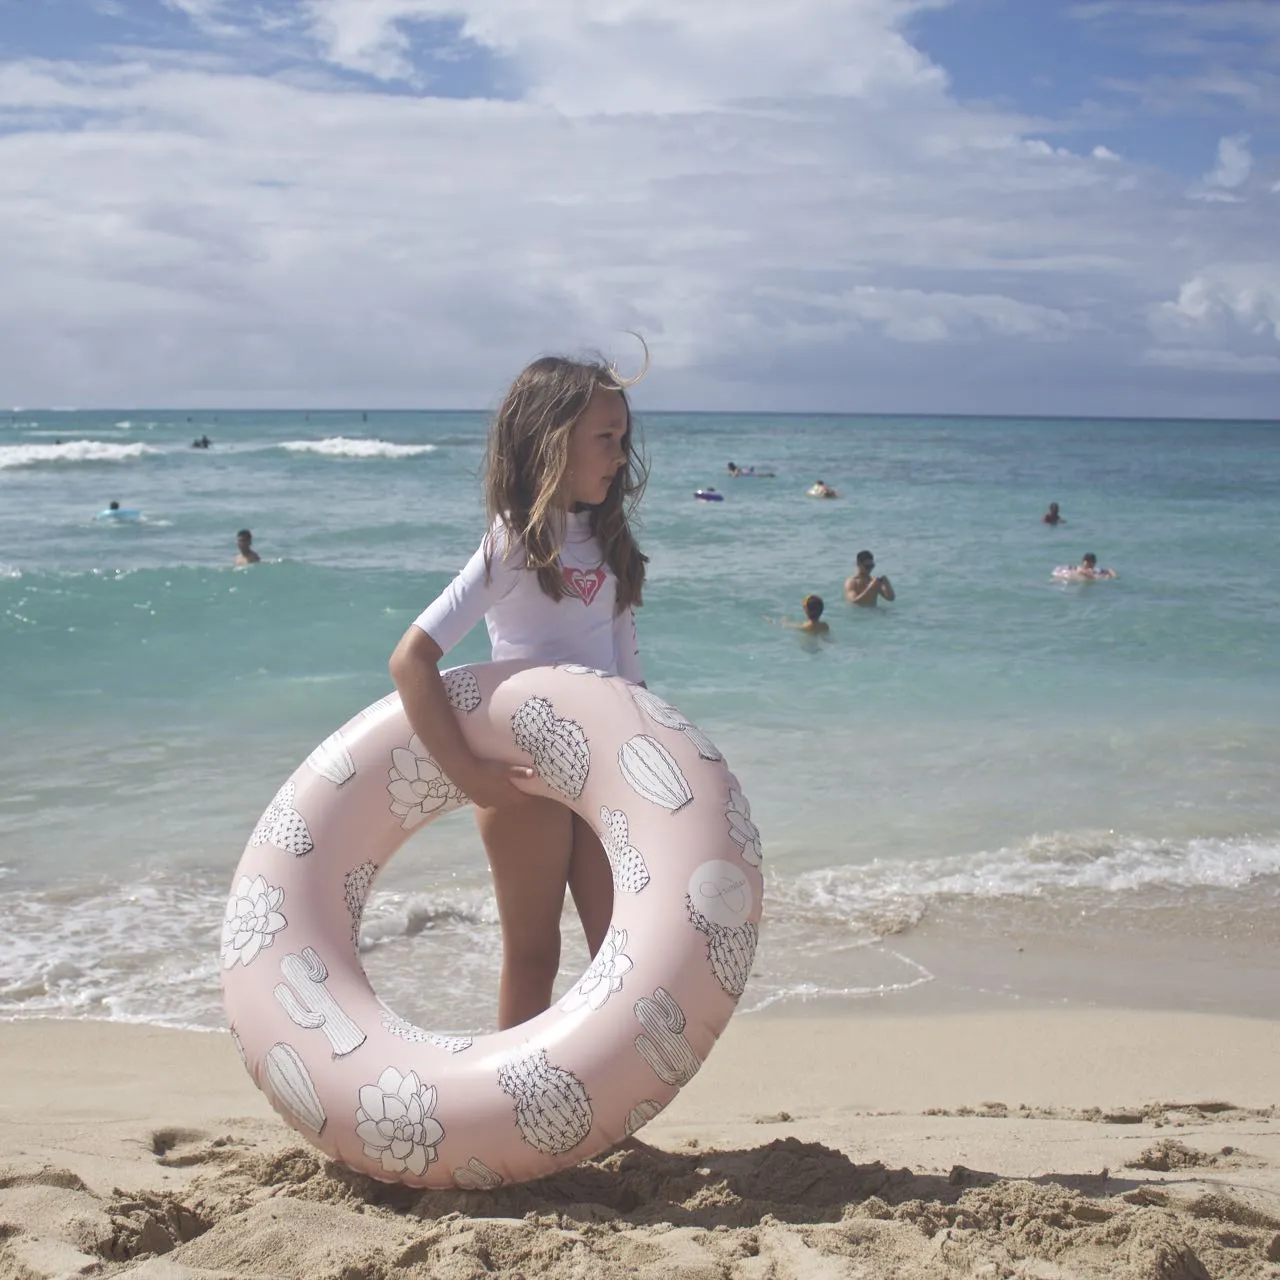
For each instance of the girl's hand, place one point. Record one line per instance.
(489, 785)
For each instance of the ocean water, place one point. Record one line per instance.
(994, 746)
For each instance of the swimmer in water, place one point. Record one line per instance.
(1088, 568)
(862, 589)
(813, 624)
(245, 554)
(1051, 516)
(820, 489)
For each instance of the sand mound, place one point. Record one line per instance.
(788, 1208)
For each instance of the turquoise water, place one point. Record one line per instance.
(992, 737)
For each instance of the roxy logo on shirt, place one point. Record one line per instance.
(583, 583)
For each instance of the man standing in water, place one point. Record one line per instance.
(245, 554)
(862, 588)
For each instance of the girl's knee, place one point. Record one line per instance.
(535, 959)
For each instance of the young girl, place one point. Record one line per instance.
(557, 578)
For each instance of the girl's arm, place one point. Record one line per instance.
(415, 670)
(426, 705)
(626, 647)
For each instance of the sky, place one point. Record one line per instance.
(877, 206)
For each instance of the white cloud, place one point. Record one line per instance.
(918, 315)
(1235, 162)
(205, 14)
(1104, 153)
(589, 56)
(1226, 318)
(793, 209)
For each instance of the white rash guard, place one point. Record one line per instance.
(524, 622)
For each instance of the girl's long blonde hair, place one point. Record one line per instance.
(526, 466)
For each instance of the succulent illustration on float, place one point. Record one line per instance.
(641, 1114)
(558, 746)
(282, 825)
(730, 949)
(396, 1122)
(475, 1175)
(309, 1003)
(290, 1084)
(742, 831)
(355, 886)
(604, 975)
(665, 714)
(332, 760)
(252, 920)
(630, 873)
(553, 1111)
(662, 1043)
(462, 689)
(418, 786)
(651, 772)
(405, 1030)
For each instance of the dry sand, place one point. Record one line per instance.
(1135, 1146)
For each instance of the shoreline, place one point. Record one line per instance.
(1028, 1142)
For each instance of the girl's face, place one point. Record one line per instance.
(596, 449)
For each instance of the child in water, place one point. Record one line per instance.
(557, 578)
(813, 624)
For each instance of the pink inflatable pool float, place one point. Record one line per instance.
(406, 1104)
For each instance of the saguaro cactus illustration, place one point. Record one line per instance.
(310, 1005)
(662, 1043)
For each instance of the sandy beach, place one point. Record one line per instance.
(1029, 1143)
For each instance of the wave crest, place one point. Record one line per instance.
(345, 447)
(30, 455)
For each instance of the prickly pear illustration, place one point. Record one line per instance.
(405, 1030)
(630, 874)
(283, 826)
(558, 746)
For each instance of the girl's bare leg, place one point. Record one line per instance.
(591, 883)
(530, 847)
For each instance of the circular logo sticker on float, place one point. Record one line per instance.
(721, 892)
